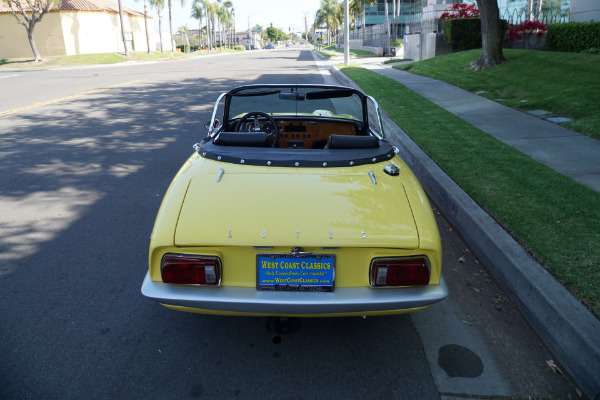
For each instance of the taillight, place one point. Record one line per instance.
(399, 272)
(191, 270)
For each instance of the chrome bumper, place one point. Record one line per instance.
(250, 300)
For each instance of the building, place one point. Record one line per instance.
(76, 27)
(253, 41)
(515, 11)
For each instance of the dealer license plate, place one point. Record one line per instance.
(296, 273)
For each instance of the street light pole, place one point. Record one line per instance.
(346, 33)
(249, 37)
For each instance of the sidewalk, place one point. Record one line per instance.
(567, 152)
(567, 327)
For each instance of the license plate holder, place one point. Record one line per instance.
(295, 272)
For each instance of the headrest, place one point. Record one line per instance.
(243, 139)
(352, 142)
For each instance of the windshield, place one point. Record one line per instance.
(298, 101)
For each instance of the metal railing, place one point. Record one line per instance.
(547, 15)
(371, 36)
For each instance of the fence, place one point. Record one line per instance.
(547, 15)
(372, 36)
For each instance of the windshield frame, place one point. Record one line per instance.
(227, 118)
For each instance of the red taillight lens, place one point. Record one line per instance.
(191, 270)
(399, 272)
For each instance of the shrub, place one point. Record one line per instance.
(516, 31)
(591, 50)
(461, 10)
(573, 37)
(239, 48)
(465, 33)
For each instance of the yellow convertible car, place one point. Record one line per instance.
(295, 205)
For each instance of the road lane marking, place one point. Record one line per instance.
(8, 76)
(54, 101)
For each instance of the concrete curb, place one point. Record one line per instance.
(565, 325)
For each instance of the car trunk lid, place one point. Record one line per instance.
(326, 208)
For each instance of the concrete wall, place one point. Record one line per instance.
(357, 44)
(530, 41)
(73, 32)
(421, 46)
(48, 36)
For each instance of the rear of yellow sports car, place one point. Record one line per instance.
(236, 239)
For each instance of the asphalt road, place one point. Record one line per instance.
(86, 155)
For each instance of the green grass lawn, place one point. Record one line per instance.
(397, 60)
(566, 84)
(357, 53)
(326, 54)
(555, 218)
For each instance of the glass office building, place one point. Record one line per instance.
(515, 11)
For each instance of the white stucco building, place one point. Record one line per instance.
(76, 27)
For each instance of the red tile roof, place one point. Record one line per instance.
(82, 5)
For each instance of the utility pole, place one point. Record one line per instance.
(346, 33)
(305, 30)
(249, 37)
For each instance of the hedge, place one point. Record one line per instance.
(573, 37)
(465, 33)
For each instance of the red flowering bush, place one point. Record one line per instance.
(461, 10)
(516, 31)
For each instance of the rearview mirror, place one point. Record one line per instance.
(291, 96)
(216, 124)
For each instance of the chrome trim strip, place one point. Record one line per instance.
(382, 136)
(250, 300)
(214, 114)
(372, 176)
(220, 174)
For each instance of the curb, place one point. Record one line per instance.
(569, 329)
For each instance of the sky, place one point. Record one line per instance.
(283, 14)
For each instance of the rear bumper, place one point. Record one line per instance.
(229, 299)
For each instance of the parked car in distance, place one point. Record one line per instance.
(295, 204)
(269, 47)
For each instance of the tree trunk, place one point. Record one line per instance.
(146, 25)
(200, 39)
(398, 33)
(160, 29)
(123, 28)
(387, 22)
(364, 16)
(171, 29)
(491, 36)
(394, 22)
(36, 53)
(207, 32)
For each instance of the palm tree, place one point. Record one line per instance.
(159, 4)
(210, 16)
(171, 23)
(146, 25)
(183, 31)
(228, 13)
(365, 4)
(198, 13)
(331, 13)
(220, 14)
(123, 28)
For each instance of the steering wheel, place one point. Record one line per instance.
(256, 115)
